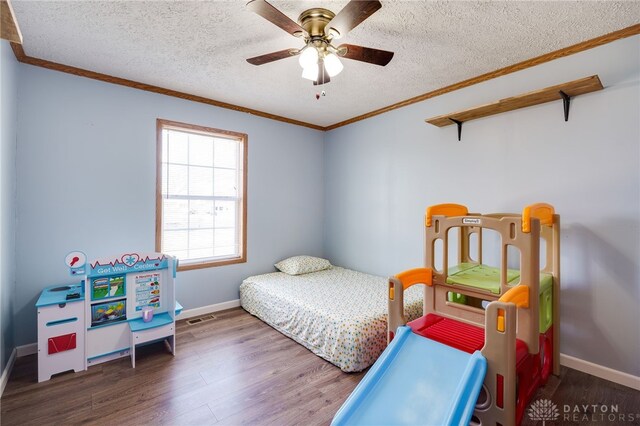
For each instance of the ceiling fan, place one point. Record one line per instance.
(318, 28)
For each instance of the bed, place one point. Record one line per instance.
(339, 314)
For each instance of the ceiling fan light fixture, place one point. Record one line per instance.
(310, 72)
(332, 64)
(318, 27)
(309, 57)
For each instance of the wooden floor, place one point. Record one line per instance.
(229, 371)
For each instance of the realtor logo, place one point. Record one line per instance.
(543, 409)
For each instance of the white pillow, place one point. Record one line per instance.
(298, 265)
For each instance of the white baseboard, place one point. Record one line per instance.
(606, 373)
(7, 371)
(204, 310)
(28, 349)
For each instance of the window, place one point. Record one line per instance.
(201, 212)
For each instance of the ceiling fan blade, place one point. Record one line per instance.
(273, 56)
(323, 75)
(365, 54)
(351, 16)
(273, 15)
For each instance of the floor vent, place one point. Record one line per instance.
(198, 320)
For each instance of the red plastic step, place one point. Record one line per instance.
(452, 333)
(457, 334)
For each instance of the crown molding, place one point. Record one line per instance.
(21, 56)
(576, 48)
(9, 29)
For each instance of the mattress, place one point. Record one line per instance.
(339, 314)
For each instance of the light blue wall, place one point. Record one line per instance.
(86, 181)
(381, 173)
(8, 120)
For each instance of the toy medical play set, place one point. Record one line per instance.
(489, 336)
(122, 302)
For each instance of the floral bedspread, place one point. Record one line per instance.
(338, 314)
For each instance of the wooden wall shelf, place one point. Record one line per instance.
(563, 91)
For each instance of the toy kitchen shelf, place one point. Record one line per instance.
(563, 91)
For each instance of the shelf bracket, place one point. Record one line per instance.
(566, 101)
(459, 124)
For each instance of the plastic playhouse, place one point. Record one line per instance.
(489, 335)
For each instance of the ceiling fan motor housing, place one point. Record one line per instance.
(314, 20)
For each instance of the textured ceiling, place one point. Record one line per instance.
(200, 47)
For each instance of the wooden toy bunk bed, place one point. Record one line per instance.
(518, 331)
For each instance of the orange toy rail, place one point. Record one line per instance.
(445, 210)
(542, 211)
(411, 277)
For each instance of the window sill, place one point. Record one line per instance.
(211, 264)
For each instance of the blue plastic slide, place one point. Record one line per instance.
(416, 381)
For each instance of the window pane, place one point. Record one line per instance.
(225, 214)
(200, 185)
(178, 148)
(175, 240)
(225, 183)
(201, 253)
(163, 185)
(175, 214)
(200, 181)
(226, 153)
(180, 254)
(225, 237)
(165, 144)
(200, 150)
(225, 251)
(200, 239)
(177, 180)
(201, 214)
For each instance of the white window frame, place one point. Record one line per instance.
(242, 139)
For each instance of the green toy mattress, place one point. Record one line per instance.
(487, 278)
